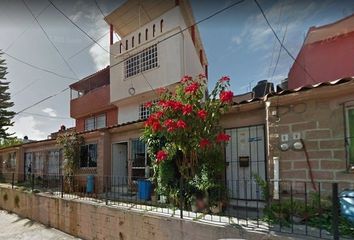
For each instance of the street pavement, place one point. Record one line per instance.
(12, 227)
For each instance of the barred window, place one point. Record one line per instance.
(140, 62)
(144, 112)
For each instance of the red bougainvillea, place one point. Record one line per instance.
(187, 123)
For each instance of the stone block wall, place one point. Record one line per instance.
(320, 124)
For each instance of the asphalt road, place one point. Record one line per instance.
(13, 227)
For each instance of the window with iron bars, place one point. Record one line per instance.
(141, 62)
(144, 112)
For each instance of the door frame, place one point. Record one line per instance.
(120, 142)
(265, 153)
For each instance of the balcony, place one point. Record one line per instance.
(95, 101)
(91, 95)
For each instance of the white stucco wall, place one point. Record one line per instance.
(177, 56)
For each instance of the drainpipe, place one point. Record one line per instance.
(276, 177)
(276, 172)
(111, 34)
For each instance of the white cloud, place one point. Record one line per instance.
(50, 111)
(28, 126)
(259, 35)
(99, 56)
(237, 40)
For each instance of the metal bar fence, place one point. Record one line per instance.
(299, 210)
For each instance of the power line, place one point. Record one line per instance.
(45, 116)
(40, 101)
(278, 57)
(39, 68)
(78, 27)
(186, 28)
(24, 31)
(25, 87)
(165, 39)
(89, 45)
(47, 36)
(280, 42)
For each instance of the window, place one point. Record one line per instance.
(140, 62)
(161, 25)
(146, 34)
(126, 44)
(95, 122)
(144, 112)
(88, 156)
(132, 42)
(139, 38)
(140, 159)
(101, 121)
(153, 30)
(120, 47)
(11, 160)
(53, 162)
(89, 124)
(350, 135)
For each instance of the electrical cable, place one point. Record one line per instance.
(89, 45)
(42, 100)
(78, 27)
(278, 57)
(165, 39)
(186, 28)
(24, 31)
(281, 44)
(39, 68)
(45, 116)
(48, 38)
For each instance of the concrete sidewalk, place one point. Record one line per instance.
(13, 227)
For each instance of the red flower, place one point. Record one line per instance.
(192, 88)
(226, 96)
(148, 105)
(224, 79)
(222, 137)
(156, 126)
(158, 115)
(187, 109)
(161, 155)
(202, 114)
(151, 119)
(181, 124)
(204, 143)
(186, 79)
(170, 125)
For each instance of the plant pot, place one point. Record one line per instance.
(163, 199)
(216, 208)
(297, 219)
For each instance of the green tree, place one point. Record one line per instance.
(8, 142)
(6, 115)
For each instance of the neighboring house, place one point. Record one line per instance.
(327, 54)
(90, 102)
(272, 134)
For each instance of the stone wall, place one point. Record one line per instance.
(320, 123)
(89, 220)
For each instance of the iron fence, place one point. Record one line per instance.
(323, 209)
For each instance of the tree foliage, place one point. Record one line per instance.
(6, 115)
(70, 142)
(11, 141)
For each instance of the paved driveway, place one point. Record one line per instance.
(13, 227)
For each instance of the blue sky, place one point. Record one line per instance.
(238, 43)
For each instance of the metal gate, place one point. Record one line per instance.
(245, 158)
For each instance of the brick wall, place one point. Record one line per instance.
(320, 123)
